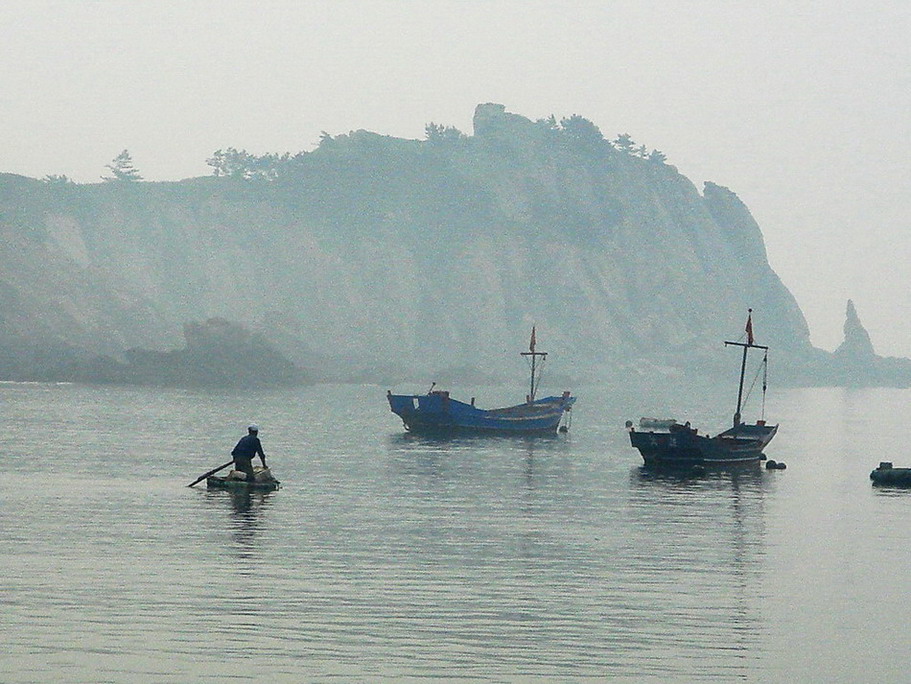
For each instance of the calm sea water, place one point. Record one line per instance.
(389, 557)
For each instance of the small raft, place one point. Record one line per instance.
(237, 481)
(885, 474)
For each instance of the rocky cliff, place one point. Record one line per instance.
(401, 254)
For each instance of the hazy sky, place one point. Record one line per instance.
(802, 108)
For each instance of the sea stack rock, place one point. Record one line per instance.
(856, 347)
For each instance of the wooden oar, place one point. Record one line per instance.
(211, 472)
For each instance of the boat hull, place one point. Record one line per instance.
(438, 413)
(216, 482)
(684, 447)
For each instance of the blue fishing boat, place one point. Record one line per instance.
(438, 413)
(667, 443)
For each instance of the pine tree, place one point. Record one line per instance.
(122, 168)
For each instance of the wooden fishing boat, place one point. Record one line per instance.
(668, 443)
(236, 481)
(438, 413)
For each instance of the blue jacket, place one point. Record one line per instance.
(248, 447)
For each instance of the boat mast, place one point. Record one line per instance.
(533, 354)
(743, 363)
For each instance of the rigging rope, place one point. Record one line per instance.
(539, 367)
(753, 384)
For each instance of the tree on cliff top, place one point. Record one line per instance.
(438, 133)
(122, 168)
(581, 129)
(624, 143)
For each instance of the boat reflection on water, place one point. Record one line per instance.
(480, 461)
(464, 440)
(246, 503)
(452, 447)
(713, 524)
(246, 517)
(746, 483)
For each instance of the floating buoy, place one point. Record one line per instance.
(774, 465)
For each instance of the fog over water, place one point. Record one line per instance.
(800, 109)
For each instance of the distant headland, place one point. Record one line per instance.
(373, 258)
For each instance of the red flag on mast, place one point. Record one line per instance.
(749, 327)
(531, 345)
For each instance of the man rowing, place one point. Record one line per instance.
(248, 447)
